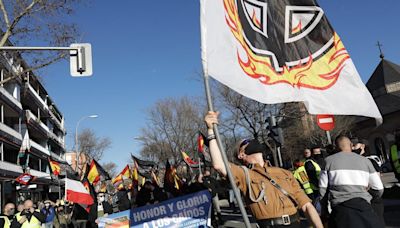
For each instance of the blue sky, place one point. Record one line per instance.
(144, 51)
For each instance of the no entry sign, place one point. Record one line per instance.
(326, 122)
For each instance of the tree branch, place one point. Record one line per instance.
(10, 28)
(5, 14)
(51, 61)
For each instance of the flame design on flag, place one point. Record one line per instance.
(297, 28)
(320, 74)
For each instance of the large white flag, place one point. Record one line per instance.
(275, 52)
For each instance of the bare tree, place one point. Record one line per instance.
(172, 127)
(92, 145)
(44, 21)
(110, 168)
(243, 118)
(301, 130)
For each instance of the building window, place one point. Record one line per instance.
(10, 154)
(34, 162)
(44, 166)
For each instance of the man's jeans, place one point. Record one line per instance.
(48, 225)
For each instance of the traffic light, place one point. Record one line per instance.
(275, 131)
(81, 60)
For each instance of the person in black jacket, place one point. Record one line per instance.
(123, 199)
(79, 216)
(100, 208)
(318, 157)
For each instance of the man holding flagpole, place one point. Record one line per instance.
(272, 193)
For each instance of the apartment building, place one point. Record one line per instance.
(25, 105)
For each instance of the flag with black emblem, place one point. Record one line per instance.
(282, 51)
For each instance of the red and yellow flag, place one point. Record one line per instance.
(93, 174)
(155, 178)
(126, 172)
(135, 175)
(200, 143)
(117, 180)
(55, 167)
(188, 160)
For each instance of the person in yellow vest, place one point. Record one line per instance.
(301, 176)
(33, 218)
(395, 159)
(7, 219)
(313, 171)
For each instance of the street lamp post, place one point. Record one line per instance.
(76, 139)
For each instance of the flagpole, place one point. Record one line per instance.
(225, 158)
(215, 127)
(200, 171)
(59, 188)
(65, 186)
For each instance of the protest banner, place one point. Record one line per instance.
(192, 210)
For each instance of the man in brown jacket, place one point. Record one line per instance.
(272, 193)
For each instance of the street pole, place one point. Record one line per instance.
(76, 140)
(278, 150)
(328, 135)
(59, 188)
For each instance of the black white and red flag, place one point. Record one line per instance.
(76, 192)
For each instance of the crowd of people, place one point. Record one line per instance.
(64, 214)
(47, 214)
(342, 188)
(337, 186)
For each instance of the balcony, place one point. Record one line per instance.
(11, 134)
(33, 121)
(40, 148)
(36, 123)
(10, 100)
(57, 139)
(38, 99)
(56, 156)
(44, 106)
(9, 167)
(57, 121)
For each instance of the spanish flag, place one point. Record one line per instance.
(95, 171)
(189, 161)
(117, 180)
(176, 181)
(55, 167)
(200, 143)
(93, 174)
(126, 172)
(135, 175)
(155, 178)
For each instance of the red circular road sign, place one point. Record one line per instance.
(326, 122)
